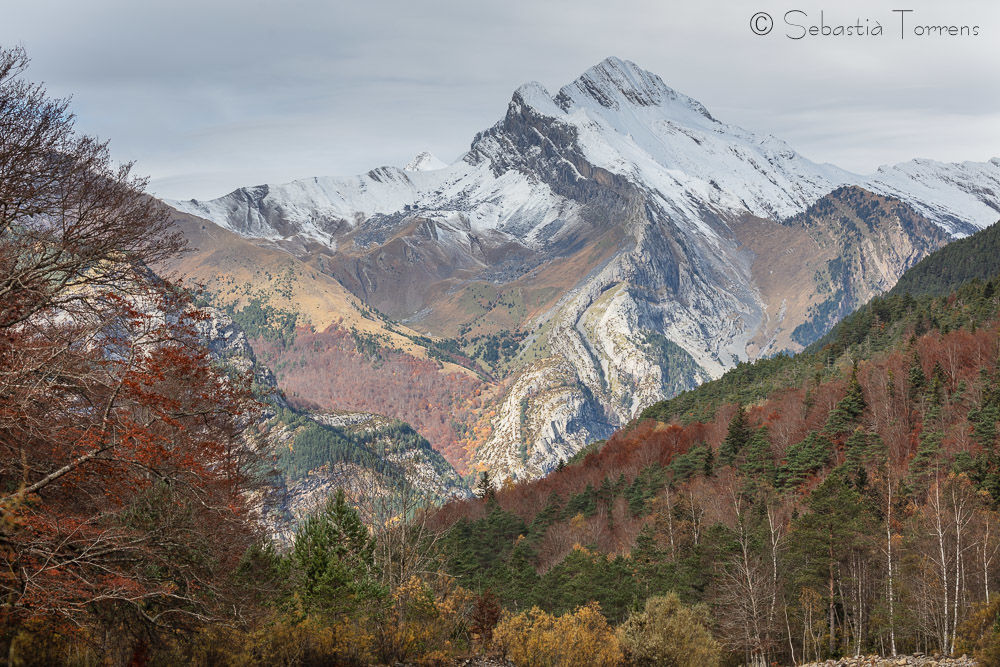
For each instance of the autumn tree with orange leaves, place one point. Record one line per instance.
(126, 486)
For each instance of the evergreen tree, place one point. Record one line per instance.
(984, 418)
(835, 524)
(654, 573)
(923, 461)
(332, 562)
(758, 465)
(546, 517)
(918, 381)
(476, 550)
(861, 450)
(584, 576)
(520, 589)
(696, 460)
(635, 497)
(932, 432)
(584, 503)
(849, 409)
(737, 437)
(605, 493)
(804, 458)
(484, 487)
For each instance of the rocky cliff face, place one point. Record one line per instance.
(634, 243)
(375, 460)
(870, 240)
(228, 344)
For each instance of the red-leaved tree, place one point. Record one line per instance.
(127, 486)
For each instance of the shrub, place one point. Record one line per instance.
(980, 633)
(670, 634)
(282, 639)
(536, 638)
(424, 623)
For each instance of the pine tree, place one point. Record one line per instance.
(520, 590)
(932, 433)
(861, 450)
(918, 381)
(635, 497)
(484, 487)
(759, 463)
(605, 493)
(804, 458)
(697, 460)
(737, 437)
(836, 523)
(923, 461)
(984, 424)
(332, 561)
(849, 409)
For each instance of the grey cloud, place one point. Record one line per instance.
(211, 95)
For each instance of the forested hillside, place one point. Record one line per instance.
(378, 462)
(961, 260)
(339, 369)
(838, 502)
(876, 326)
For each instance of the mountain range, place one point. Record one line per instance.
(592, 253)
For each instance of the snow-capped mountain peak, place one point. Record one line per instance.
(625, 120)
(424, 161)
(525, 172)
(615, 83)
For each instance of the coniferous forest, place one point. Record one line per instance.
(843, 501)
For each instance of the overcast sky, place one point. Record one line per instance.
(210, 95)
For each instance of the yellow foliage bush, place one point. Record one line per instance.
(424, 622)
(536, 638)
(39, 643)
(283, 640)
(980, 633)
(670, 634)
(313, 641)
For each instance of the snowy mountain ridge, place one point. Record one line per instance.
(646, 245)
(630, 123)
(425, 161)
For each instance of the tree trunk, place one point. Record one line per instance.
(986, 562)
(670, 526)
(832, 628)
(788, 629)
(939, 530)
(775, 532)
(958, 579)
(888, 544)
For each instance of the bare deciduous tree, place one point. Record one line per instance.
(122, 463)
